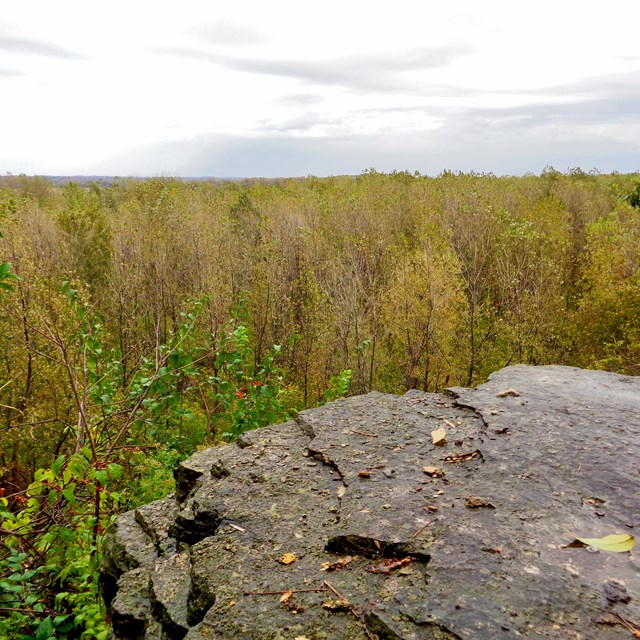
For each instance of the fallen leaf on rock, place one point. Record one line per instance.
(613, 619)
(439, 437)
(462, 457)
(364, 474)
(337, 605)
(475, 502)
(508, 392)
(432, 508)
(434, 472)
(341, 491)
(610, 619)
(449, 423)
(287, 558)
(616, 542)
(338, 564)
(389, 565)
(504, 430)
(286, 596)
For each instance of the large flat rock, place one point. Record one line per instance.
(329, 527)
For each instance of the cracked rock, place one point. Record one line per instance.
(474, 554)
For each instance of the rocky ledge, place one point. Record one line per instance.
(350, 523)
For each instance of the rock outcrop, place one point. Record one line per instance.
(349, 523)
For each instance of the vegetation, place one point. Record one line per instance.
(143, 319)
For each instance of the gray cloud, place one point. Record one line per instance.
(227, 33)
(473, 148)
(586, 130)
(36, 47)
(365, 73)
(606, 100)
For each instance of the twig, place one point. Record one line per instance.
(328, 584)
(364, 433)
(280, 593)
(46, 612)
(423, 527)
(353, 610)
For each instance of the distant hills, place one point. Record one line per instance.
(109, 180)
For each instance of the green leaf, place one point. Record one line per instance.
(92, 363)
(69, 493)
(617, 542)
(44, 630)
(58, 620)
(13, 588)
(102, 476)
(115, 470)
(57, 465)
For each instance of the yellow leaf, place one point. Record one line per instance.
(286, 597)
(617, 542)
(287, 558)
(439, 436)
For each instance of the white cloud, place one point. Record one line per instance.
(252, 88)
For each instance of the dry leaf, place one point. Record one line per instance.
(434, 472)
(287, 558)
(508, 392)
(341, 491)
(389, 565)
(364, 474)
(338, 564)
(617, 542)
(449, 423)
(475, 502)
(337, 605)
(286, 596)
(462, 457)
(439, 437)
(615, 618)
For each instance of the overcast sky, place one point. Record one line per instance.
(255, 88)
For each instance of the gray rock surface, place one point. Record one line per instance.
(472, 547)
